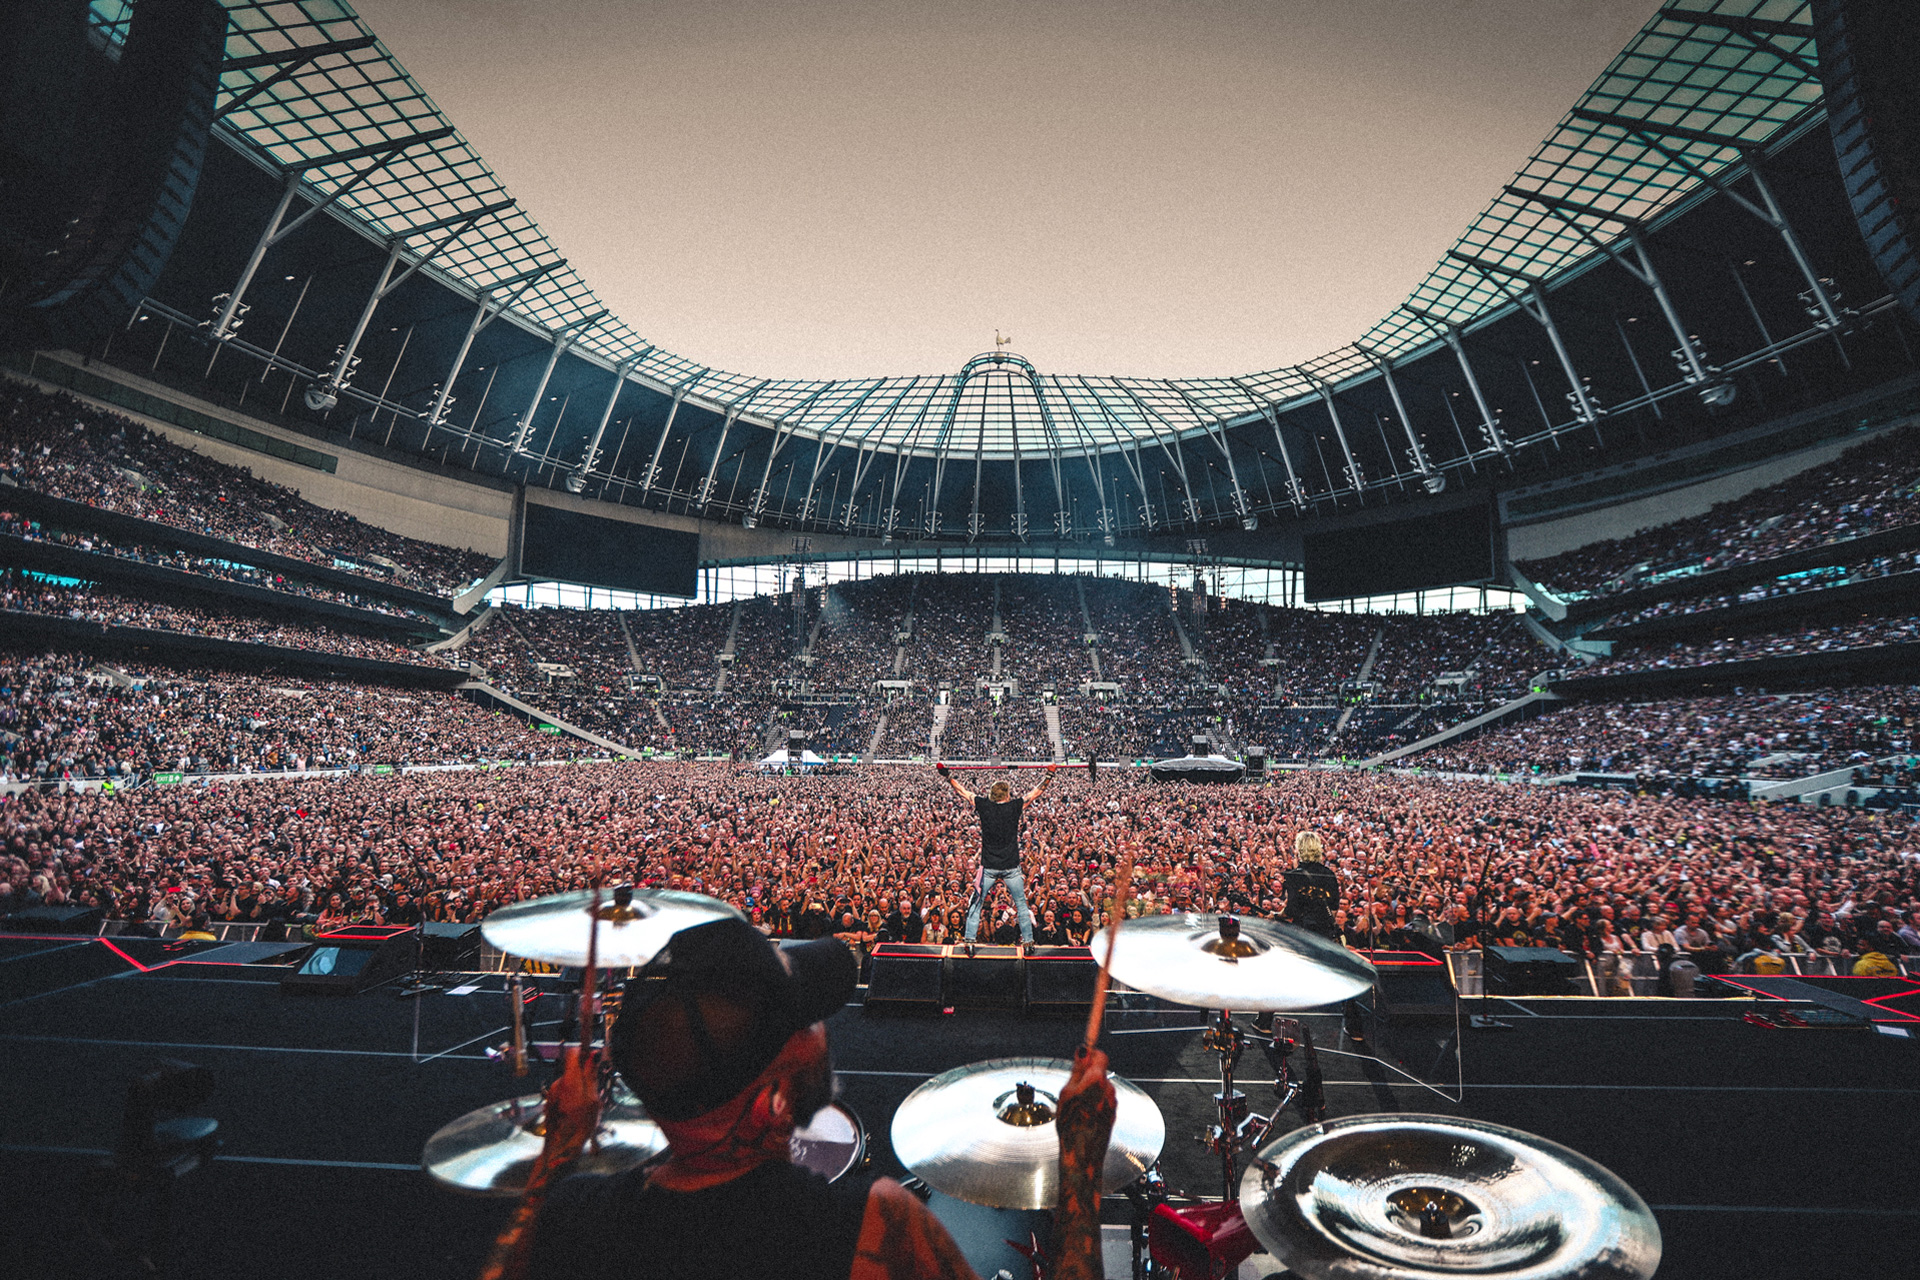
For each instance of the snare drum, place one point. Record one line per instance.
(833, 1144)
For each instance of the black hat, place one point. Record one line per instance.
(715, 1006)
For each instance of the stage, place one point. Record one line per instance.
(1764, 1151)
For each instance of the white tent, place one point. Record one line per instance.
(785, 759)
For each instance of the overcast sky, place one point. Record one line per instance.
(853, 187)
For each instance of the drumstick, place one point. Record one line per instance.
(1122, 882)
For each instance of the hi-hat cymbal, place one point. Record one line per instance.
(634, 925)
(1232, 962)
(985, 1133)
(1412, 1197)
(490, 1152)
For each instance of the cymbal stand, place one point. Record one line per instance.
(1229, 1134)
(1307, 1089)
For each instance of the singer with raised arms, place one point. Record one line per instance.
(999, 811)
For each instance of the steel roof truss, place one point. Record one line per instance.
(1450, 332)
(652, 473)
(1768, 210)
(485, 313)
(382, 154)
(1533, 301)
(1693, 364)
(455, 226)
(562, 339)
(291, 63)
(705, 494)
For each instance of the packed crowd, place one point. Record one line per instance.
(1868, 631)
(21, 526)
(1871, 487)
(57, 445)
(890, 854)
(1788, 584)
(22, 592)
(1753, 735)
(63, 717)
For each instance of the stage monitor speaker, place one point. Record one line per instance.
(1060, 981)
(445, 944)
(906, 978)
(350, 961)
(992, 978)
(49, 919)
(1531, 971)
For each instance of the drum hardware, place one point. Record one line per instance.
(1413, 1197)
(833, 1144)
(636, 923)
(490, 1151)
(985, 1133)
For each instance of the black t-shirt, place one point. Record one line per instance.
(999, 832)
(1313, 894)
(777, 1220)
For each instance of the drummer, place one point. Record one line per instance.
(724, 1040)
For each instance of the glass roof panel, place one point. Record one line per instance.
(1711, 73)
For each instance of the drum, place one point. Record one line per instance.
(833, 1144)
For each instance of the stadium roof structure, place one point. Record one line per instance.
(1700, 96)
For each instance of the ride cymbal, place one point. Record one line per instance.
(985, 1133)
(1415, 1197)
(634, 925)
(490, 1152)
(1233, 962)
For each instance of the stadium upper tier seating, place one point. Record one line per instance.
(1869, 488)
(53, 444)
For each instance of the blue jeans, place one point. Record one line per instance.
(983, 882)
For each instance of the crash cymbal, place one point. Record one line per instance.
(490, 1152)
(985, 1133)
(634, 925)
(1234, 962)
(1412, 1197)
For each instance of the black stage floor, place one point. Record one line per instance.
(1764, 1152)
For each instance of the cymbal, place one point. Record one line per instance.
(1233, 962)
(490, 1152)
(634, 925)
(1415, 1197)
(985, 1133)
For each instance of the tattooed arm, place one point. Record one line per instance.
(1086, 1122)
(901, 1240)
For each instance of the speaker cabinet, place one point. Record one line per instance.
(349, 961)
(906, 979)
(45, 919)
(1060, 981)
(1531, 971)
(992, 978)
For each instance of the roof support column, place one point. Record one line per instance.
(1533, 301)
(1295, 494)
(1414, 451)
(652, 474)
(381, 153)
(1820, 302)
(592, 453)
(458, 223)
(1712, 388)
(1354, 477)
(562, 339)
(484, 314)
(1451, 333)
